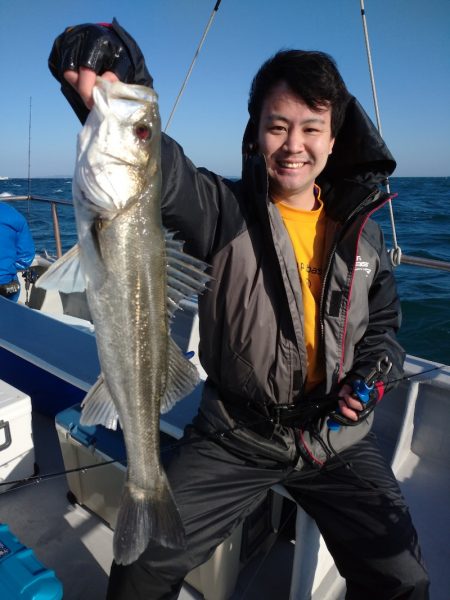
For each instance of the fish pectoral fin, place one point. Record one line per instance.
(65, 274)
(98, 407)
(182, 377)
(186, 275)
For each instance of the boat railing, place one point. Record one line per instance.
(405, 259)
(54, 211)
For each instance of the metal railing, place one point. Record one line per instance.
(54, 212)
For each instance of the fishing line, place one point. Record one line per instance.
(214, 435)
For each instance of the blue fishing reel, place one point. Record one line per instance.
(362, 390)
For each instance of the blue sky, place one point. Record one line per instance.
(410, 42)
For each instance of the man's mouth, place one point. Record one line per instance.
(291, 165)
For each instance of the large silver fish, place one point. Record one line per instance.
(125, 257)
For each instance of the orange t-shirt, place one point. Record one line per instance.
(306, 229)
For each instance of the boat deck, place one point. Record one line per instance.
(77, 544)
(412, 425)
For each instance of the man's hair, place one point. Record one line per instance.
(311, 75)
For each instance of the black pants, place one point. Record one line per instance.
(359, 510)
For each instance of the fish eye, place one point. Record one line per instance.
(143, 132)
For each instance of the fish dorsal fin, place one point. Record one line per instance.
(65, 274)
(98, 406)
(182, 377)
(186, 275)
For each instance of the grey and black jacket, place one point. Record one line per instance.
(251, 319)
(251, 330)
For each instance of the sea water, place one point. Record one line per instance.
(422, 222)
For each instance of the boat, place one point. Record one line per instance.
(64, 510)
(48, 351)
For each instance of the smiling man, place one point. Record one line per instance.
(296, 141)
(290, 322)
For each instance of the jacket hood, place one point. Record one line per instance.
(360, 159)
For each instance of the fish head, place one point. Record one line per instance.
(118, 154)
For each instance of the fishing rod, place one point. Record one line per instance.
(318, 408)
(194, 60)
(29, 158)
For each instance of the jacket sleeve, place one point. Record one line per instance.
(384, 322)
(191, 200)
(25, 250)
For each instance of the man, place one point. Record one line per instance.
(282, 328)
(16, 250)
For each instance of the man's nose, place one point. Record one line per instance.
(294, 141)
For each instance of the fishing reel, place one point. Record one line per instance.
(30, 277)
(366, 392)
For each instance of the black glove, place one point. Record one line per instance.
(374, 397)
(100, 48)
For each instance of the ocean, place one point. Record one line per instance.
(422, 228)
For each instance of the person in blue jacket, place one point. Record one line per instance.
(16, 250)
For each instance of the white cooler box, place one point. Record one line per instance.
(16, 436)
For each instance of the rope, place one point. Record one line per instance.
(396, 253)
(186, 79)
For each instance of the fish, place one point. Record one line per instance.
(135, 274)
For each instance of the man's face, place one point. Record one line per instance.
(296, 142)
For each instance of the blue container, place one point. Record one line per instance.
(22, 576)
(110, 442)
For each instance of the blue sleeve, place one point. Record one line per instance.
(25, 250)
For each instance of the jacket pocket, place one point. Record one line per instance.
(236, 373)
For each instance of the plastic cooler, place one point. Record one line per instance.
(22, 576)
(98, 489)
(16, 436)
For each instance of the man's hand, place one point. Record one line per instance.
(83, 82)
(349, 406)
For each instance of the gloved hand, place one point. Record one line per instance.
(353, 408)
(99, 49)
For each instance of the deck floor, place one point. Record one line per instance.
(77, 545)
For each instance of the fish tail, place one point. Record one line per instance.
(146, 515)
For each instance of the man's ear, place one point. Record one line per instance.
(250, 139)
(330, 151)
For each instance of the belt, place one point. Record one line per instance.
(294, 415)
